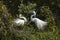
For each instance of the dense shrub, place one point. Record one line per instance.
(9, 31)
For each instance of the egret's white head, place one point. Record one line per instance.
(34, 13)
(20, 15)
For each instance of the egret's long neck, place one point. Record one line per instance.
(24, 19)
(32, 16)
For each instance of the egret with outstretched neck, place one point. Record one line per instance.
(39, 23)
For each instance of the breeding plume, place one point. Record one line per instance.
(20, 21)
(39, 23)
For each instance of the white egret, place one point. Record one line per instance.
(39, 23)
(20, 21)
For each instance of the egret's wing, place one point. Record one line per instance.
(43, 23)
(39, 25)
(19, 22)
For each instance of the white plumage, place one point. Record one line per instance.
(20, 21)
(40, 24)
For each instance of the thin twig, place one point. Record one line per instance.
(28, 23)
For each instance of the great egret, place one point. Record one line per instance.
(39, 23)
(20, 21)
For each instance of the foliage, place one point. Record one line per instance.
(26, 8)
(9, 31)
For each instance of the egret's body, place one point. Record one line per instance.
(20, 21)
(40, 24)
